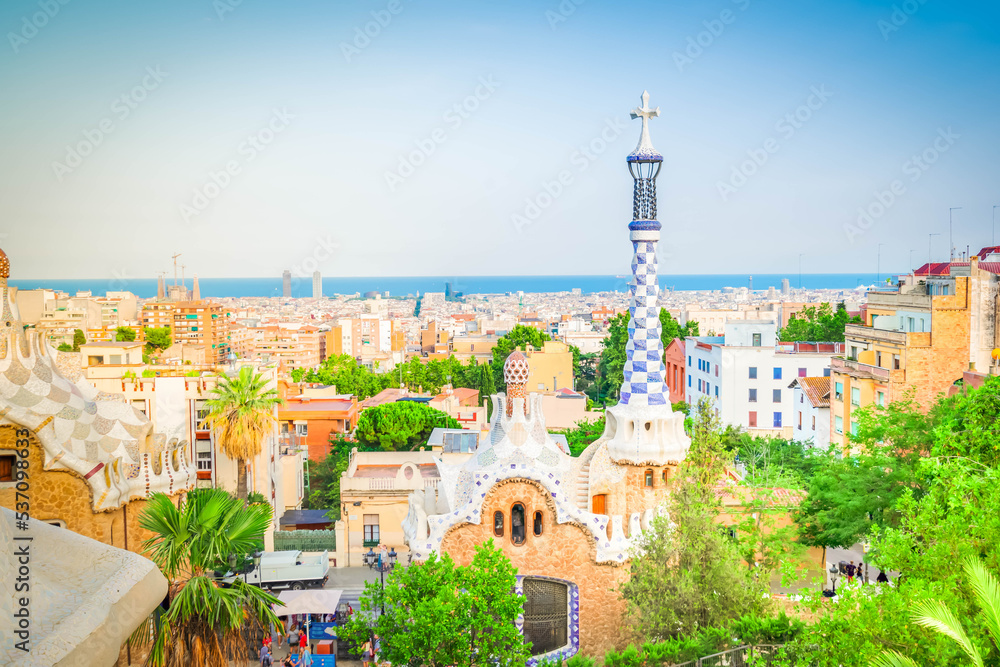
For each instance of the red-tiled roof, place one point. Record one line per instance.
(992, 267)
(817, 390)
(988, 250)
(934, 269)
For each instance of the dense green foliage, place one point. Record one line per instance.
(611, 366)
(157, 338)
(399, 426)
(438, 614)
(78, 339)
(350, 377)
(687, 572)
(211, 531)
(324, 476)
(775, 462)
(818, 324)
(124, 334)
(750, 629)
(516, 339)
(671, 328)
(65, 347)
(583, 434)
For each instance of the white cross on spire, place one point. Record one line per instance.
(645, 145)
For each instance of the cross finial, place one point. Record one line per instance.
(645, 146)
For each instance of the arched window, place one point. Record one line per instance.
(537, 524)
(498, 524)
(546, 615)
(517, 527)
(665, 476)
(649, 479)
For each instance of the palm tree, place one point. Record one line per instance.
(936, 616)
(242, 413)
(206, 623)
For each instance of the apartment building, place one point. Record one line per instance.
(811, 400)
(673, 361)
(200, 322)
(291, 347)
(746, 373)
(175, 403)
(550, 368)
(313, 419)
(917, 340)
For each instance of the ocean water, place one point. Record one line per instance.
(404, 286)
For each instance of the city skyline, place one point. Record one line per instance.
(791, 128)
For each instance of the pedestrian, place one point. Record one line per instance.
(366, 653)
(851, 570)
(265, 656)
(293, 640)
(881, 578)
(306, 659)
(279, 630)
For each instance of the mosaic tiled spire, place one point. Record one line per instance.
(644, 371)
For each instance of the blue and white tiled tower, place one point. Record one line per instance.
(644, 370)
(642, 428)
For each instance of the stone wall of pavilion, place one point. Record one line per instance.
(59, 495)
(563, 551)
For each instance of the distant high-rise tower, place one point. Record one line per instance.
(785, 287)
(195, 290)
(286, 283)
(161, 290)
(317, 285)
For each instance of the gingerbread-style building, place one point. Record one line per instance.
(567, 523)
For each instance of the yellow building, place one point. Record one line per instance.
(550, 368)
(915, 340)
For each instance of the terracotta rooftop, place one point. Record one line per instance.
(817, 390)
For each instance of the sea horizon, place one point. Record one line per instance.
(404, 286)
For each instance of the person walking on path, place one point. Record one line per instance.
(366, 653)
(306, 658)
(851, 570)
(293, 640)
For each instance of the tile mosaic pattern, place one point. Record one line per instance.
(644, 372)
(79, 427)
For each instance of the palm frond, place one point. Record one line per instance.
(892, 659)
(987, 591)
(936, 616)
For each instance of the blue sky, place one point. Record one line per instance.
(251, 140)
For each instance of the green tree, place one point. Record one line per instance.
(400, 426)
(206, 623)
(848, 495)
(325, 476)
(671, 328)
(517, 338)
(583, 434)
(687, 573)
(611, 367)
(78, 339)
(124, 334)
(241, 411)
(65, 347)
(818, 324)
(487, 387)
(157, 338)
(438, 614)
(936, 616)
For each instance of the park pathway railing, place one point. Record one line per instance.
(741, 656)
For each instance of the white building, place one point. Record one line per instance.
(811, 421)
(317, 285)
(746, 374)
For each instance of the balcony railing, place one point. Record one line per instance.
(857, 331)
(849, 367)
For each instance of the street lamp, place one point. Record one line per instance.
(381, 562)
(834, 571)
